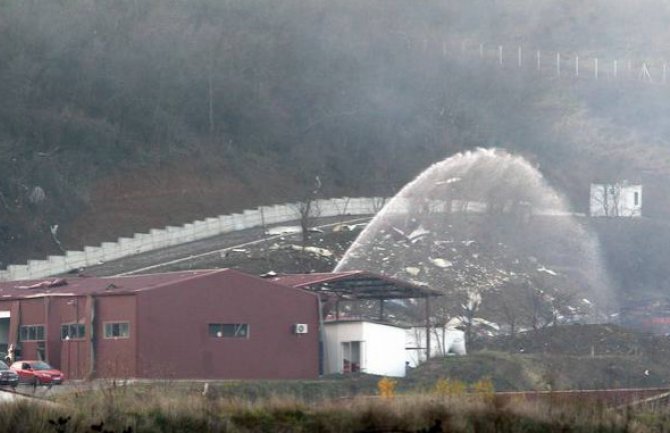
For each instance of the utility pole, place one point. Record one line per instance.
(427, 328)
(76, 314)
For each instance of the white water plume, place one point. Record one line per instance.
(487, 221)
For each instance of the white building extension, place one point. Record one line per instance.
(616, 200)
(443, 341)
(366, 347)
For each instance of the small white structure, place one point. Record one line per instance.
(443, 341)
(616, 200)
(366, 347)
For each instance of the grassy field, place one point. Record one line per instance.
(172, 407)
(454, 394)
(545, 372)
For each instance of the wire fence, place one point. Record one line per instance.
(550, 63)
(570, 65)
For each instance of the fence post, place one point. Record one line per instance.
(500, 54)
(539, 61)
(595, 65)
(519, 55)
(577, 66)
(615, 69)
(558, 64)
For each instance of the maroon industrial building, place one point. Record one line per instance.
(197, 324)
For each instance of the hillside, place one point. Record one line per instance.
(519, 372)
(558, 358)
(635, 251)
(118, 117)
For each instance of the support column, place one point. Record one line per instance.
(90, 305)
(427, 328)
(322, 338)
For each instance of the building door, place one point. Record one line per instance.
(351, 357)
(42, 351)
(4, 333)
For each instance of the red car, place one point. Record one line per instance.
(37, 373)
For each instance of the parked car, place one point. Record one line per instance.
(37, 373)
(7, 376)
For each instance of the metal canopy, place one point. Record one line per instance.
(360, 286)
(357, 286)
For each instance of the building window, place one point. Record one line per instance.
(229, 330)
(117, 330)
(72, 331)
(636, 198)
(32, 333)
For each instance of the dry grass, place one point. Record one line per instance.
(169, 409)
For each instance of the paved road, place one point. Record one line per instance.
(158, 260)
(26, 393)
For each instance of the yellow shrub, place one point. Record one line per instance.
(449, 388)
(386, 387)
(484, 388)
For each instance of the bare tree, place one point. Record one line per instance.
(546, 307)
(342, 212)
(508, 307)
(54, 235)
(469, 310)
(307, 209)
(605, 200)
(378, 203)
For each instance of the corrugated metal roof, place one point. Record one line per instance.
(82, 285)
(360, 285)
(303, 280)
(346, 285)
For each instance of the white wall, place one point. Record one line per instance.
(616, 200)
(175, 235)
(382, 347)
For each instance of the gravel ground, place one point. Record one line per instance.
(247, 250)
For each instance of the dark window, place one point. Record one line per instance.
(117, 330)
(229, 330)
(636, 198)
(72, 331)
(32, 333)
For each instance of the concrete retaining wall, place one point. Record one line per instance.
(175, 235)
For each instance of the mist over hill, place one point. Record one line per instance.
(120, 116)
